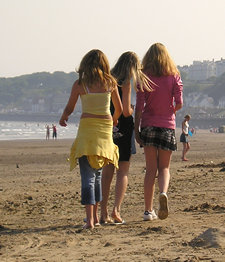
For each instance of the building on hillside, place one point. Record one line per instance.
(201, 70)
(59, 102)
(204, 70)
(38, 105)
(221, 103)
(220, 67)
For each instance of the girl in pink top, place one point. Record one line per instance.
(155, 118)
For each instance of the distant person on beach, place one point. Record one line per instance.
(54, 131)
(47, 132)
(93, 146)
(184, 137)
(155, 115)
(127, 68)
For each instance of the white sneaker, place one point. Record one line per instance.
(149, 215)
(163, 206)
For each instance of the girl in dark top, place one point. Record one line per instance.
(127, 68)
(123, 131)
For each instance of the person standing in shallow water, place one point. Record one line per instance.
(155, 124)
(93, 146)
(184, 137)
(54, 131)
(47, 132)
(127, 68)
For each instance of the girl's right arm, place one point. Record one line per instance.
(137, 126)
(183, 131)
(140, 100)
(70, 104)
(117, 106)
(178, 93)
(126, 99)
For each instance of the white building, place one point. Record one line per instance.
(220, 67)
(201, 70)
(204, 70)
(221, 103)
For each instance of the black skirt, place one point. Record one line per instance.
(123, 138)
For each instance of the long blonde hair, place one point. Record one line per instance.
(94, 69)
(158, 62)
(128, 67)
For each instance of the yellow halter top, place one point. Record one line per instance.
(96, 103)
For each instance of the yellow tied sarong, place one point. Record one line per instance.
(94, 140)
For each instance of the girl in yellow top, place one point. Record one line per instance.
(93, 146)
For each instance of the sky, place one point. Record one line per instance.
(54, 35)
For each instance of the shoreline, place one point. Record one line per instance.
(35, 140)
(177, 131)
(201, 123)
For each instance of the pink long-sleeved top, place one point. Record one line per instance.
(158, 106)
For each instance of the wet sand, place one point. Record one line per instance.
(41, 217)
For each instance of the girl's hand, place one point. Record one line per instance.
(115, 122)
(138, 139)
(63, 120)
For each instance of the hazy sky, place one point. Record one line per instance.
(54, 35)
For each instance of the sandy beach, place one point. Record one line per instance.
(41, 217)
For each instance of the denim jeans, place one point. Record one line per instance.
(91, 186)
(133, 147)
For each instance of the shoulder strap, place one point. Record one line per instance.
(85, 89)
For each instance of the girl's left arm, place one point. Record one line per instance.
(178, 93)
(177, 107)
(70, 104)
(117, 106)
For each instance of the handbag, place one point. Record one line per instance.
(116, 133)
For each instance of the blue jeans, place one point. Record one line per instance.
(91, 186)
(133, 147)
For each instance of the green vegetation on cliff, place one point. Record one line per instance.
(18, 92)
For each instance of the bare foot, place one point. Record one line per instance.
(96, 220)
(87, 226)
(106, 220)
(116, 216)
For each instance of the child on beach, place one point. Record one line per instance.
(126, 68)
(155, 114)
(54, 131)
(47, 132)
(93, 146)
(184, 137)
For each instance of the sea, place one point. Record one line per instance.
(18, 130)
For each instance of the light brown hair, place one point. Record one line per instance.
(94, 69)
(188, 117)
(157, 61)
(129, 67)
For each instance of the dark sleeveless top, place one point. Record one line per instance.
(126, 127)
